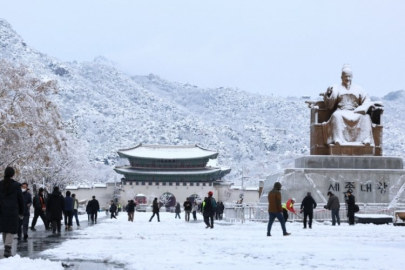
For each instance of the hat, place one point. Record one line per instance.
(293, 199)
(349, 191)
(210, 193)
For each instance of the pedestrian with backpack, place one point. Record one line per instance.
(209, 209)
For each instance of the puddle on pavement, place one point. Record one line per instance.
(41, 240)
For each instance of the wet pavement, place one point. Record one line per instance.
(41, 240)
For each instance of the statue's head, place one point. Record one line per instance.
(347, 75)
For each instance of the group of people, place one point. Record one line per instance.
(189, 207)
(208, 208)
(280, 210)
(92, 208)
(16, 201)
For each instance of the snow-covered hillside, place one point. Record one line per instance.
(110, 110)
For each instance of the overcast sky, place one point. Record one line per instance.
(268, 47)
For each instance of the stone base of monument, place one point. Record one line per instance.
(372, 218)
(377, 181)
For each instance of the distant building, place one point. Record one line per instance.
(171, 173)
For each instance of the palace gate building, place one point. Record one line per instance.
(170, 173)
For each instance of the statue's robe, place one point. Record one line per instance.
(349, 124)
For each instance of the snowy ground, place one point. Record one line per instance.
(175, 244)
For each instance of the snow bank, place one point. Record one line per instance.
(18, 263)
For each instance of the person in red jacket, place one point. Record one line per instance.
(288, 207)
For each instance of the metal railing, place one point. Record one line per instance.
(244, 212)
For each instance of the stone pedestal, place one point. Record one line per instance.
(379, 180)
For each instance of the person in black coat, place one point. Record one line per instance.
(209, 209)
(23, 224)
(155, 209)
(131, 210)
(188, 206)
(307, 206)
(351, 201)
(11, 209)
(113, 209)
(94, 207)
(177, 211)
(55, 207)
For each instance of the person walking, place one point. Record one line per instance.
(155, 209)
(209, 208)
(68, 211)
(94, 207)
(75, 209)
(351, 201)
(221, 207)
(333, 205)
(288, 207)
(23, 223)
(307, 206)
(11, 209)
(188, 206)
(55, 207)
(218, 211)
(177, 211)
(113, 209)
(88, 212)
(131, 210)
(195, 209)
(275, 209)
(39, 204)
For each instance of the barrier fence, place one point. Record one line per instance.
(259, 213)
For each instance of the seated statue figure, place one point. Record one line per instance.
(349, 124)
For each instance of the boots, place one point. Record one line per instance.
(7, 251)
(70, 228)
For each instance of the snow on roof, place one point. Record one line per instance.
(100, 185)
(168, 152)
(71, 187)
(129, 170)
(140, 195)
(111, 181)
(252, 188)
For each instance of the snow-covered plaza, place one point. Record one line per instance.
(176, 244)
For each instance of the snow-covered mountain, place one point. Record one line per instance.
(110, 110)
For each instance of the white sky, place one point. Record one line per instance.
(268, 47)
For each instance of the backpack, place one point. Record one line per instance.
(356, 208)
(213, 203)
